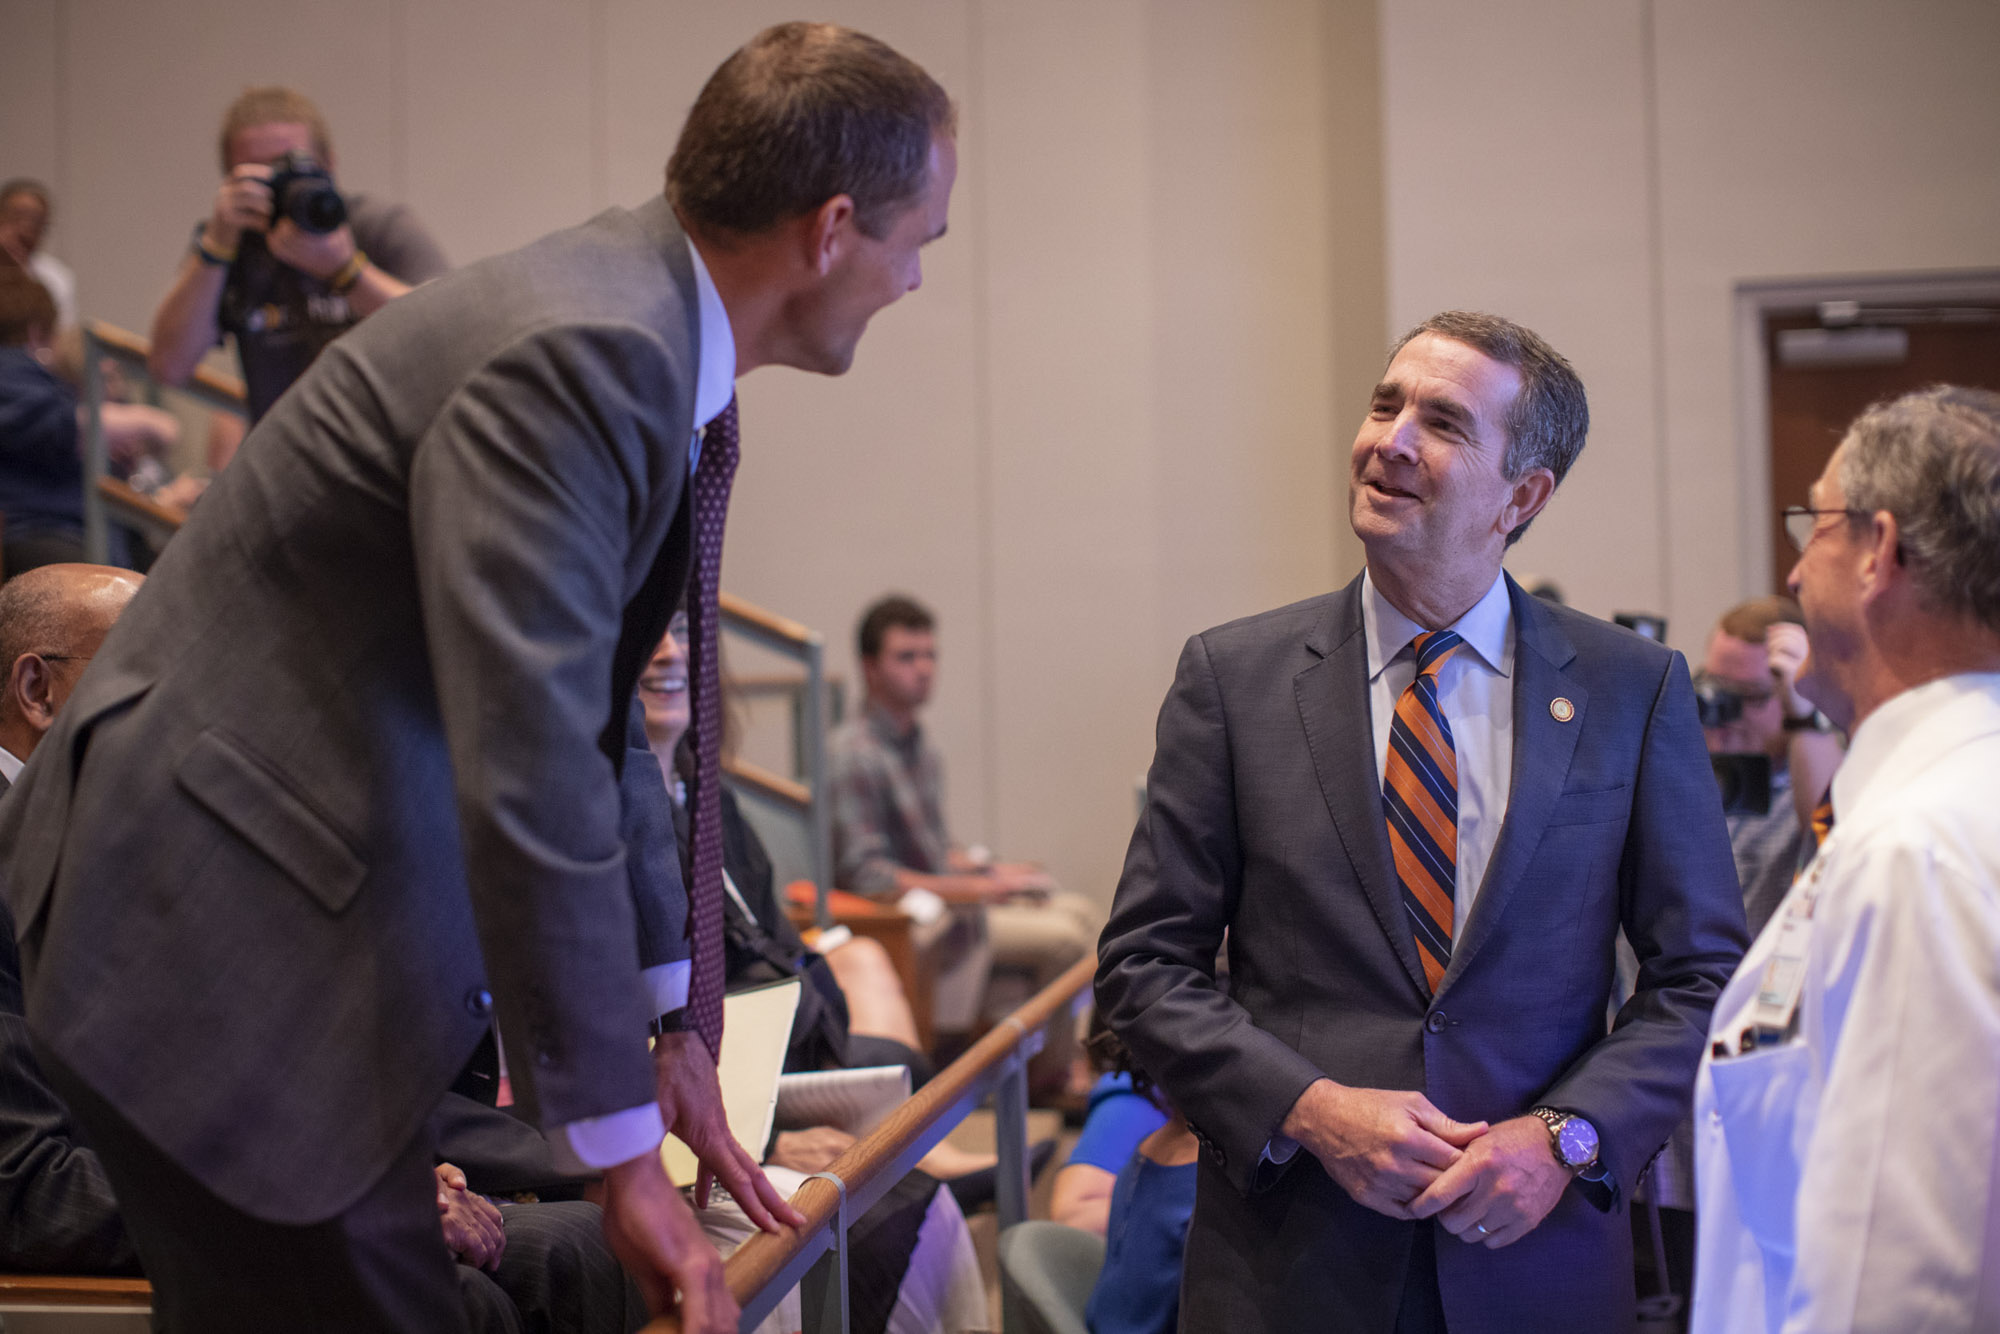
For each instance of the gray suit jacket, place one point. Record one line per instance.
(1264, 820)
(363, 727)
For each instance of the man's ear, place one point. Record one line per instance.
(28, 692)
(828, 232)
(1532, 490)
(1882, 564)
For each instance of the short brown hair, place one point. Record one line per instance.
(1750, 621)
(894, 610)
(1548, 420)
(25, 306)
(274, 104)
(801, 113)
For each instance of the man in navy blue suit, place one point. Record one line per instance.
(1421, 809)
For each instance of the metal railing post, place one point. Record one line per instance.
(831, 1303)
(812, 743)
(96, 529)
(1010, 1129)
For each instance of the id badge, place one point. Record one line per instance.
(1784, 976)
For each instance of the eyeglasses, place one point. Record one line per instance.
(1801, 521)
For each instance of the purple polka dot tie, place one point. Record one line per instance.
(712, 476)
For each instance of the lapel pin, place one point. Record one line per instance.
(1561, 709)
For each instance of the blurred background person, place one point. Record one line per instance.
(26, 209)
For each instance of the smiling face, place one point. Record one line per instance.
(1426, 485)
(865, 273)
(663, 688)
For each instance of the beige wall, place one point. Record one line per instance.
(1609, 170)
(1119, 410)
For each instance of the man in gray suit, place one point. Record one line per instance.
(1420, 810)
(353, 756)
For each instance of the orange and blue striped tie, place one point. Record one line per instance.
(1420, 797)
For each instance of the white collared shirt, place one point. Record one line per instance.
(1848, 1173)
(605, 1141)
(10, 764)
(1476, 692)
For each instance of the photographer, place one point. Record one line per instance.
(284, 262)
(1747, 690)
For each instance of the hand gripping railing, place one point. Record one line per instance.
(767, 1266)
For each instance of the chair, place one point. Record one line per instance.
(1046, 1273)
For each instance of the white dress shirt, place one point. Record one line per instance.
(1475, 690)
(1846, 1176)
(11, 764)
(605, 1141)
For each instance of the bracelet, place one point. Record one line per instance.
(350, 272)
(215, 259)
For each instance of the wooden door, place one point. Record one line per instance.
(1811, 406)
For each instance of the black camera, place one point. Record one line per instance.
(302, 190)
(1718, 707)
(1745, 781)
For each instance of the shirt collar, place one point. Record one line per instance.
(1484, 628)
(10, 764)
(1911, 732)
(715, 375)
(885, 727)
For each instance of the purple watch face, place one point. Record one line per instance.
(1578, 1140)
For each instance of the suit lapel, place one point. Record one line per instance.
(1333, 707)
(1543, 748)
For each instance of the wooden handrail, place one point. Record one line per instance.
(765, 1255)
(132, 345)
(126, 497)
(17, 1290)
(777, 788)
(769, 622)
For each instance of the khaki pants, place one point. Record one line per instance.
(986, 961)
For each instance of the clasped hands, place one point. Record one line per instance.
(1400, 1156)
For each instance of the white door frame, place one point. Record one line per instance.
(1759, 298)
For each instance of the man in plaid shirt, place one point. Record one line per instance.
(889, 840)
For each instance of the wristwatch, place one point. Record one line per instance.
(1812, 722)
(1573, 1141)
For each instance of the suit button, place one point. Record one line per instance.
(479, 1003)
(1436, 1023)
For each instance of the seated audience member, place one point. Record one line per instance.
(26, 207)
(57, 1213)
(1138, 1290)
(41, 471)
(521, 1267)
(1117, 1117)
(270, 277)
(1847, 1107)
(911, 1265)
(889, 837)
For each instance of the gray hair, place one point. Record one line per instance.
(1548, 420)
(1932, 459)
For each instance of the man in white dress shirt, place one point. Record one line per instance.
(1848, 1111)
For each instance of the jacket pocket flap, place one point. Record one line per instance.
(248, 796)
(1610, 803)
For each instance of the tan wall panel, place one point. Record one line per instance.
(1516, 175)
(498, 136)
(28, 65)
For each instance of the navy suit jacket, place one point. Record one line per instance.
(1263, 826)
